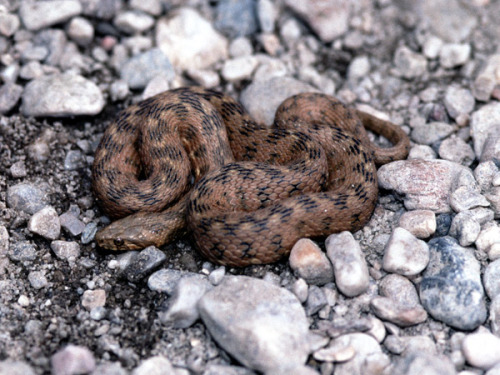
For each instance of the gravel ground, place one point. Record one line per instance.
(414, 292)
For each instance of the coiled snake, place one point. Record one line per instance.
(168, 163)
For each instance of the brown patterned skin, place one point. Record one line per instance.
(194, 158)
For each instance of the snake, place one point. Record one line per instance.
(192, 160)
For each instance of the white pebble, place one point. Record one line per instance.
(482, 350)
(405, 254)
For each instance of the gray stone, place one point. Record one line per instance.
(187, 27)
(183, 309)
(349, 264)
(37, 279)
(408, 63)
(61, 95)
(418, 363)
(261, 325)
(140, 69)
(12, 367)
(310, 263)
(18, 169)
(425, 184)
(465, 198)
(465, 228)
(144, 263)
(316, 300)
(40, 14)
(54, 41)
(484, 124)
(166, 280)
(458, 101)
(217, 275)
(420, 223)
(81, 31)
(488, 240)
(4, 241)
(431, 133)
(239, 68)
(93, 298)
(9, 23)
(266, 14)
(487, 79)
(114, 368)
(236, 18)
(451, 289)
(27, 197)
(22, 251)
(455, 149)
(45, 223)
(405, 254)
(72, 360)
(132, 22)
(215, 369)
(453, 55)
(66, 250)
(153, 7)
(71, 223)
(482, 350)
(157, 365)
(10, 93)
(490, 279)
(88, 233)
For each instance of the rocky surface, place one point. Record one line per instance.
(414, 292)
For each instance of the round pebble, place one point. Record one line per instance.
(405, 254)
(45, 223)
(482, 350)
(310, 263)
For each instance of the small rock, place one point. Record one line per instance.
(349, 264)
(166, 280)
(144, 263)
(420, 223)
(133, 22)
(71, 223)
(405, 254)
(488, 239)
(456, 150)
(114, 368)
(453, 55)
(484, 125)
(262, 98)
(425, 184)
(37, 279)
(482, 350)
(453, 273)
(485, 173)
(487, 79)
(93, 298)
(408, 63)
(4, 241)
(458, 101)
(418, 363)
(45, 223)
(316, 300)
(187, 27)
(495, 315)
(10, 93)
(301, 290)
(88, 233)
(236, 18)
(239, 68)
(490, 279)
(385, 309)
(72, 360)
(11, 367)
(98, 313)
(310, 263)
(261, 325)
(9, 24)
(22, 251)
(140, 69)
(61, 95)
(216, 276)
(432, 46)
(41, 14)
(183, 311)
(465, 198)
(266, 14)
(18, 169)
(81, 31)
(27, 197)
(465, 228)
(329, 19)
(215, 369)
(431, 133)
(423, 152)
(66, 250)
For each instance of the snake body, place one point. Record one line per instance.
(193, 158)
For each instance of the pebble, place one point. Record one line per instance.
(465, 198)
(431, 133)
(239, 68)
(88, 233)
(110, 368)
(490, 279)
(488, 240)
(329, 19)
(310, 263)
(420, 223)
(483, 125)
(217, 275)
(183, 311)
(422, 363)
(93, 298)
(458, 101)
(425, 184)
(45, 223)
(18, 169)
(491, 149)
(166, 280)
(465, 228)
(235, 18)
(187, 27)
(454, 54)
(349, 264)
(71, 223)
(61, 95)
(449, 19)
(4, 241)
(9, 23)
(133, 22)
(455, 149)
(405, 254)
(432, 46)
(27, 197)
(81, 31)
(41, 14)
(453, 273)
(157, 365)
(409, 64)
(485, 173)
(143, 263)
(423, 152)
(261, 325)
(369, 358)
(66, 250)
(10, 93)
(419, 345)
(316, 300)
(487, 79)
(266, 15)
(12, 367)
(495, 315)
(22, 251)
(482, 350)
(72, 360)
(37, 279)
(215, 369)
(141, 69)
(358, 68)
(262, 98)
(300, 289)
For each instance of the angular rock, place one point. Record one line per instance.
(61, 95)
(261, 325)
(27, 197)
(408, 63)
(236, 18)
(157, 365)
(310, 263)
(487, 79)
(431, 133)
(455, 149)
(93, 298)
(484, 124)
(45, 223)
(454, 54)
(66, 250)
(72, 360)
(451, 289)
(419, 364)
(166, 280)
(144, 263)
(41, 14)
(12, 367)
(420, 223)
(10, 93)
(140, 69)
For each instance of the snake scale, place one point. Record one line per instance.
(192, 158)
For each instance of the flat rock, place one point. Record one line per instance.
(41, 14)
(425, 184)
(261, 325)
(61, 95)
(451, 289)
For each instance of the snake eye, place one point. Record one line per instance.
(118, 241)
